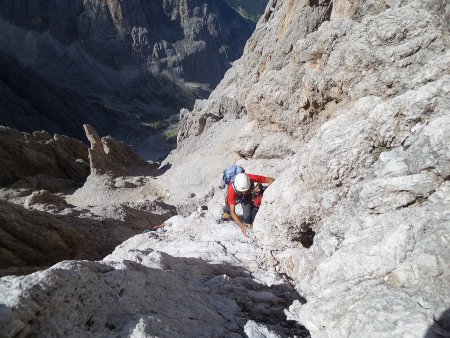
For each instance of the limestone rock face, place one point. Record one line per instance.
(306, 60)
(177, 282)
(358, 214)
(112, 157)
(47, 230)
(42, 222)
(172, 36)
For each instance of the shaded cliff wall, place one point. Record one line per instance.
(112, 63)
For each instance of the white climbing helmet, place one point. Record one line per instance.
(241, 182)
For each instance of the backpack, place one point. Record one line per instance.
(230, 173)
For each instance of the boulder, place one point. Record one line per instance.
(44, 197)
(179, 281)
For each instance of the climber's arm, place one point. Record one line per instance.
(237, 220)
(269, 180)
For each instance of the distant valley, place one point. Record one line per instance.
(123, 67)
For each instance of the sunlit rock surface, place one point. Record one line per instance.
(358, 96)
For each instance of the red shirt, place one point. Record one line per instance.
(257, 201)
(232, 194)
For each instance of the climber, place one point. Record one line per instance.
(246, 189)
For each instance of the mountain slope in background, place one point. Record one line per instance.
(128, 62)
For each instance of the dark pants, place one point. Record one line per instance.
(249, 210)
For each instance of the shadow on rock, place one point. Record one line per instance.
(440, 327)
(257, 302)
(31, 239)
(151, 170)
(161, 170)
(150, 294)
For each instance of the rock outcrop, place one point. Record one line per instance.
(46, 230)
(38, 174)
(41, 161)
(108, 156)
(295, 75)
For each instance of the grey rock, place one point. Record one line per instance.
(325, 67)
(253, 330)
(39, 227)
(386, 194)
(357, 218)
(205, 113)
(145, 291)
(172, 302)
(441, 194)
(361, 192)
(44, 197)
(33, 158)
(53, 231)
(112, 157)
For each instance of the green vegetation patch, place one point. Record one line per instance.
(171, 133)
(249, 9)
(383, 148)
(155, 126)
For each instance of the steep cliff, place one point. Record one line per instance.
(110, 63)
(347, 104)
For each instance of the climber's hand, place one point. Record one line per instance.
(244, 231)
